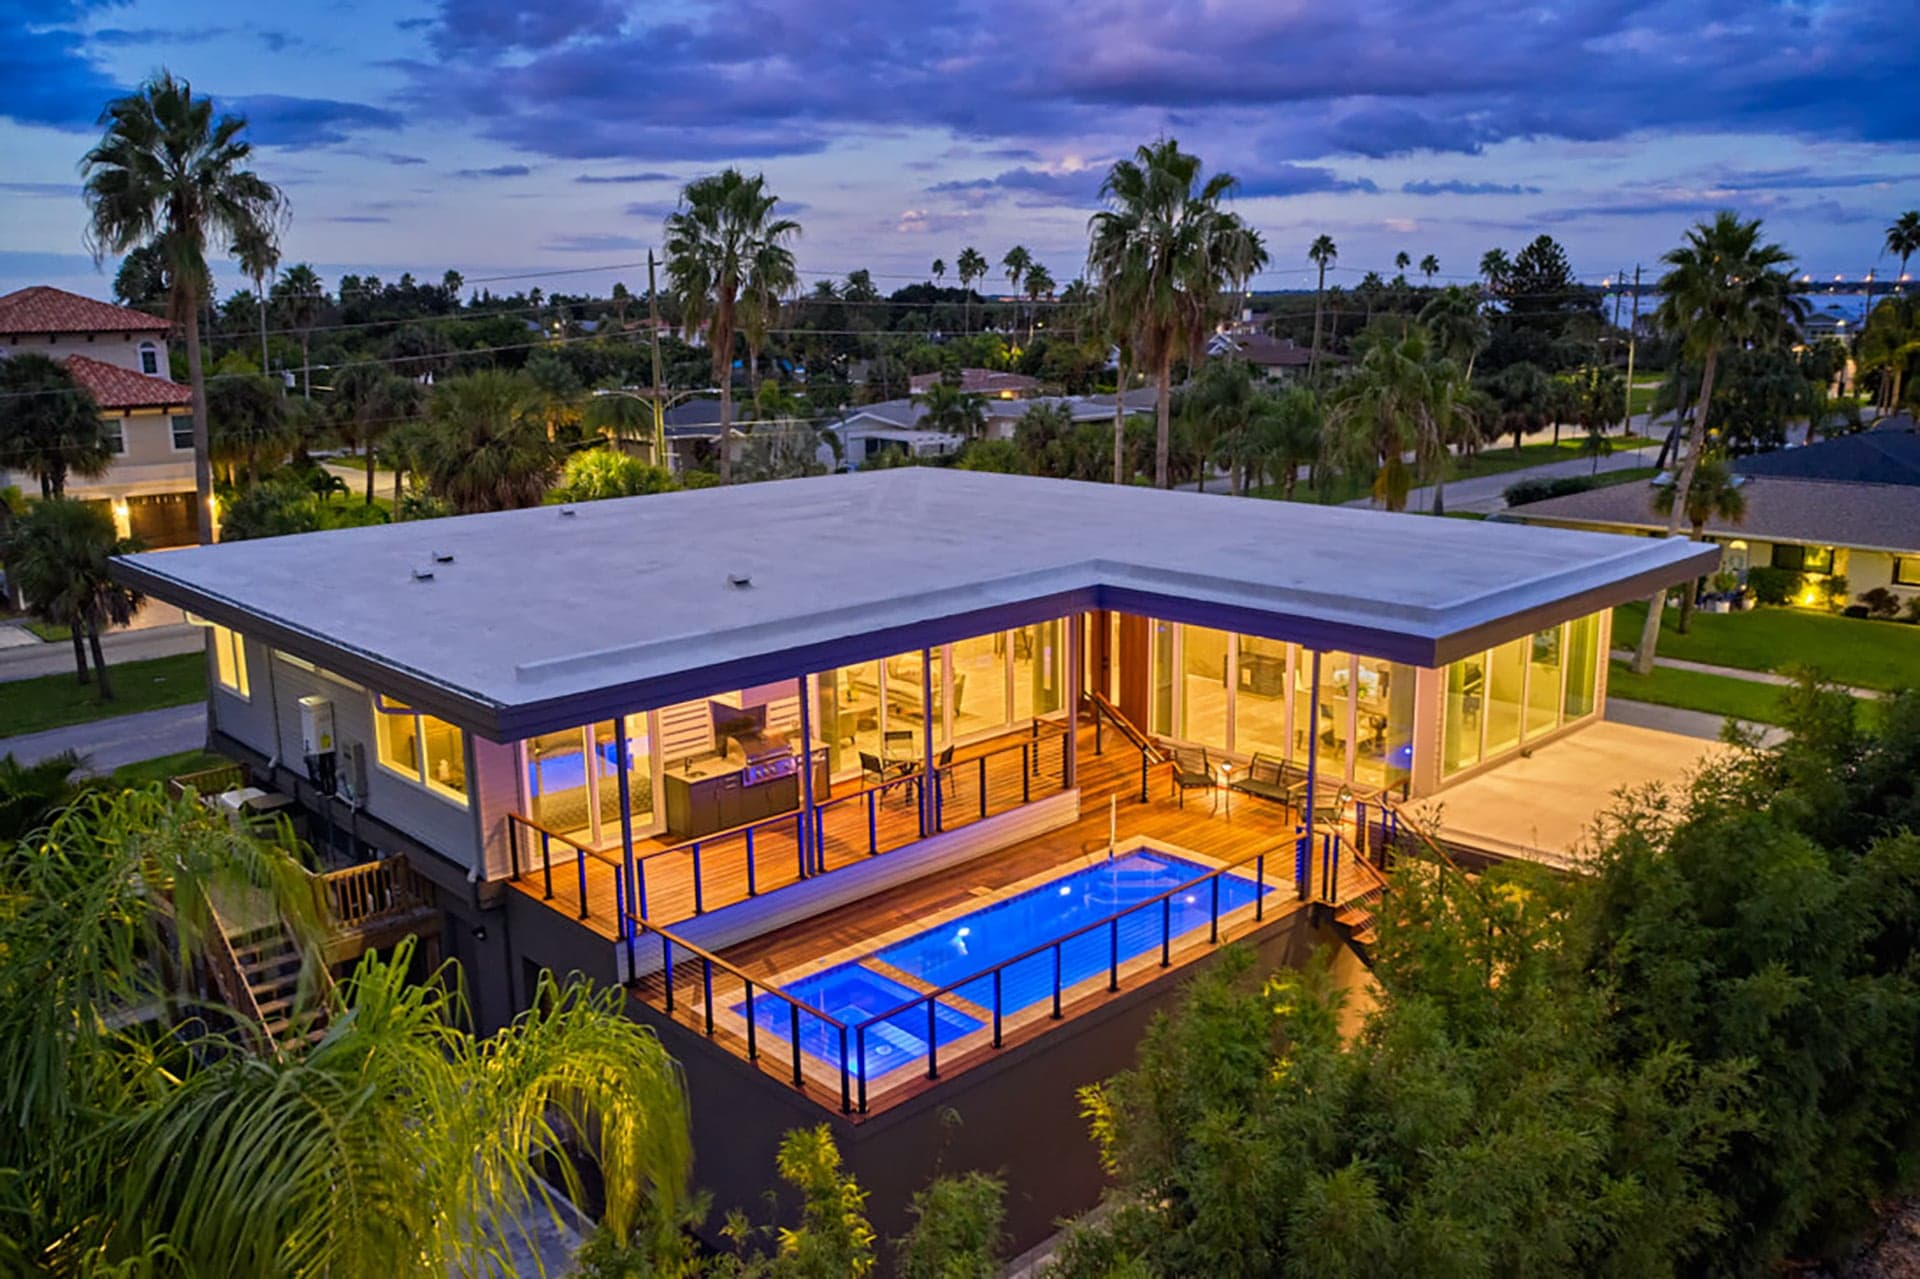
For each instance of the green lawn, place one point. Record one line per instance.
(1640, 395)
(51, 632)
(1693, 691)
(52, 701)
(164, 767)
(1496, 459)
(1632, 475)
(1848, 650)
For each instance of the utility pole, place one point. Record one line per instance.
(1633, 333)
(659, 408)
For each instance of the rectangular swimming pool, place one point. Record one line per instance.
(980, 939)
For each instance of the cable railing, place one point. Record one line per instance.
(727, 999)
(695, 876)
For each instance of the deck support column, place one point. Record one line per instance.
(928, 782)
(623, 763)
(808, 853)
(1313, 757)
(1076, 680)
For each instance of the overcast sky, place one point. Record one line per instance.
(501, 138)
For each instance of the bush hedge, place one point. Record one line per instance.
(1773, 585)
(1524, 491)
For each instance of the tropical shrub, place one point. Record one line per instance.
(1774, 586)
(1701, 1058)
(1521, 492)
(603, 472)
(1880, 602)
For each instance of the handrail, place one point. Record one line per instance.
(1111, 922)
(223, 776)
(795, 1006)
(232, 979)
(1128, 729)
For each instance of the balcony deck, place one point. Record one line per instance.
(708, 993)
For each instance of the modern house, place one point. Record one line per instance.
(1846, 507)
(120, 356)
(896, 794)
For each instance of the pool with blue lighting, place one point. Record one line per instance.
(993, 934)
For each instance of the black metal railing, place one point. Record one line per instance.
(1105, 711)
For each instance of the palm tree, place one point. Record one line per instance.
(1396, 400)
(397, 1144)
(952, 410)
(770, 277)
(723, 230)
(368, 401)
(621, 299)
(1523, 399)
(1725, 289)
(1401, 261)
(1714, 494)
(1015, 264)
(489, 450)
(1887, 345)
(60, 551)
(939, 270)
(249, 424)
(50, 427)
(1903, 238)
(301, 295)
(1458, 326)
(1167, 248)
(1430, 267)
(32, 793)
(1321, 253)
(259, 255)
(971, 266)
(1039, 285)
(1495, 267)
(166, 172)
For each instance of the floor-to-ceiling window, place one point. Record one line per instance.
(981, 687)
(1498, 700)
(1260, 697)
(1039, 655)
(1160, 712)
(1383, 730)
(1203, 687)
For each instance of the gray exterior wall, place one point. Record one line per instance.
(269, 723)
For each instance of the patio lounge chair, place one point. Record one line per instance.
(1192, 770)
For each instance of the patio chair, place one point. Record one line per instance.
(1192, 770)
(1265, 778)
(877, 771)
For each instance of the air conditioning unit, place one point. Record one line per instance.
(316, 726)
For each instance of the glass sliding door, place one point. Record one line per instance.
(1506, 678)
(1383, 730)
(604, 760)
(558, 794)
(1583, 648)
(1260, 697)
(1039, 669)
(1203, 687)
(1543, 681)
(1160, 713)
(979, 671)
(1464, 715)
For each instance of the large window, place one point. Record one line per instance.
(1260, 697)
(115, 430)
(182, 424)
(1498, 700)
(978, 669)
(1383, 732)
(230, 661)
(421, 748)
(1906, 570)
(1203, 686)
(1803, 559)
(573, 779)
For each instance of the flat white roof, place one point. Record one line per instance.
(553, 616)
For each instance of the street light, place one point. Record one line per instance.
(660, 408)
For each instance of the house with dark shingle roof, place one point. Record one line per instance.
(119, 355)
(1843, 507)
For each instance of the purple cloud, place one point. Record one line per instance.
(1454, 186)
(277, 121)
(612, 178)
(495, 171)
(591, 243)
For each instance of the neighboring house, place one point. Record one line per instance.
(1281, 359)
(893, 425)
(988, 382)
(120, 356)
(727, 746)
(1831, 322)
(1845, 507)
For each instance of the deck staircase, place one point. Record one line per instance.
(270, 963)
(1358, 912)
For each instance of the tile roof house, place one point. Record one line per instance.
(120, 356)
(1276, 357)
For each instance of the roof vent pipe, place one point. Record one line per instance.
(739, 580)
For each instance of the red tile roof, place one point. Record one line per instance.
(43, 309)
(113, 387)
(979, 382)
